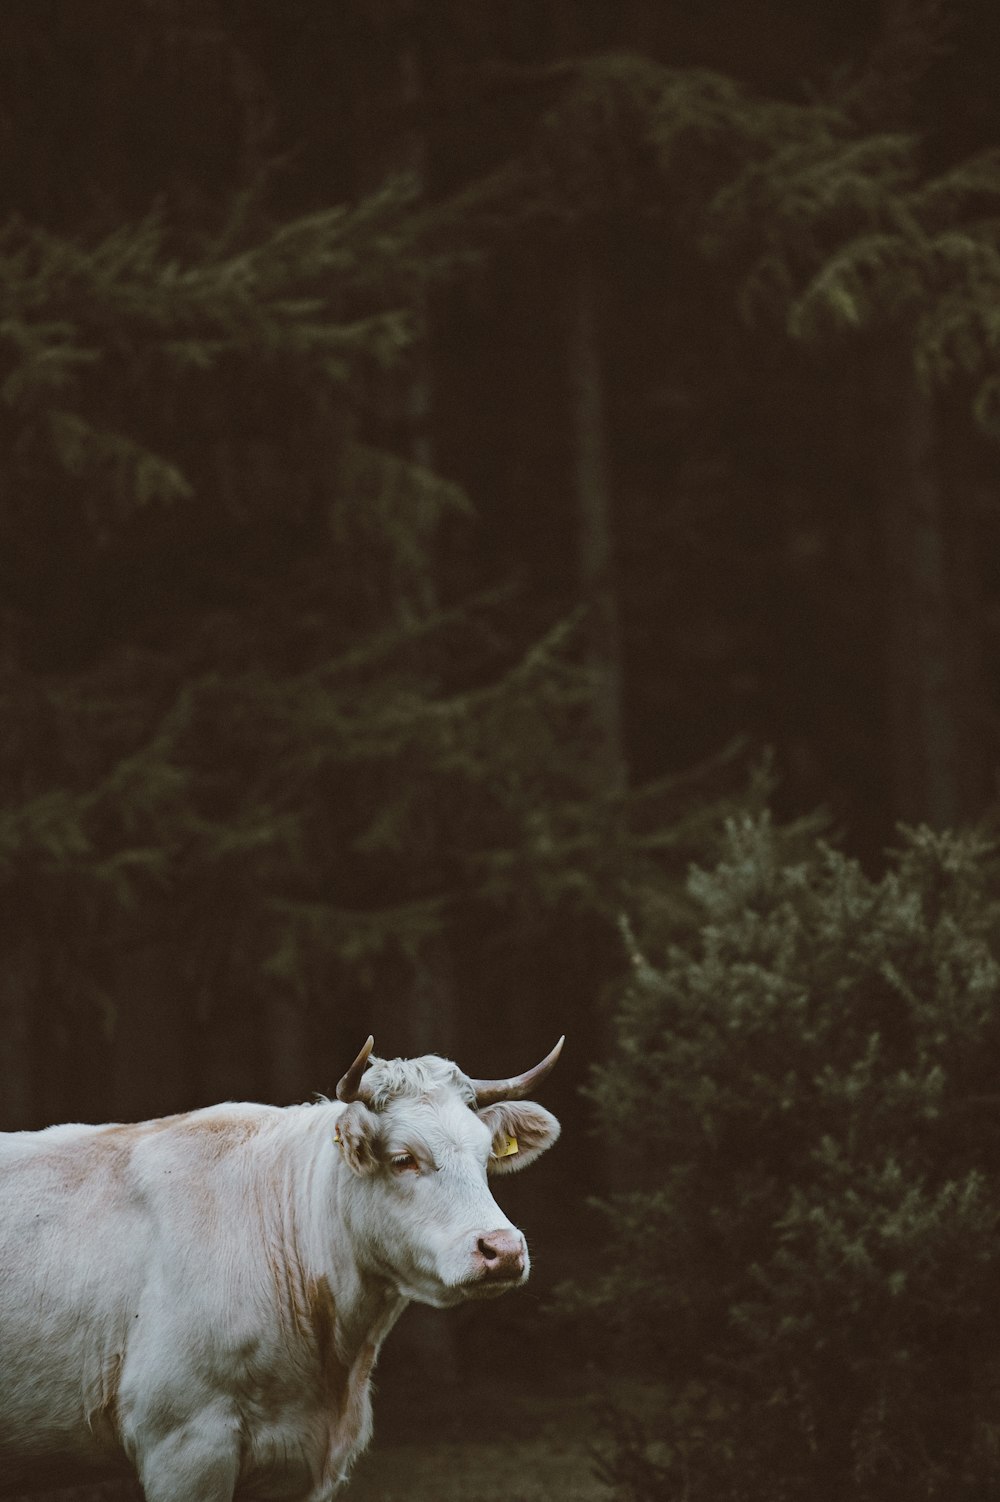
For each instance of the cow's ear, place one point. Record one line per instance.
(521, 1133)
(356, 1134)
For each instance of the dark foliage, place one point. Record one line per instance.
(803, 1101)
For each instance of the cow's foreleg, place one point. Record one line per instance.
(196, 1462)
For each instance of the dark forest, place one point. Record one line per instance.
(500, 537)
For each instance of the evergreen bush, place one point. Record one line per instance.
(804, 1105)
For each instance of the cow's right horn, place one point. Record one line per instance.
(516, 1088)
(349, 1087)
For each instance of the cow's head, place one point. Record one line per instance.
(420, 1140)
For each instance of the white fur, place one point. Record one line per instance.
(204, 1296)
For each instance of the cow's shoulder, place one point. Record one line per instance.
(212, 1130)
(210, 1150)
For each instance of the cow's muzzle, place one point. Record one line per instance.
(501, 1257)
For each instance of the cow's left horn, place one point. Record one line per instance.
(350, 1086)
(490, 1091)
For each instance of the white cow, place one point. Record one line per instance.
(202, 1298)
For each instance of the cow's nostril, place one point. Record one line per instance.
(486, 1250)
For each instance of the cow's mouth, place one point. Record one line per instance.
(491, 1285)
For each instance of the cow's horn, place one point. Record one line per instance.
(350, 1086)
(489, 1091)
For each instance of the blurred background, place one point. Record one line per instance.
(455, 455)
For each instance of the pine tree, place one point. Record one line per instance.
(802, 1249)
(233, 702)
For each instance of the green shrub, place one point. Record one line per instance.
(803, 1101)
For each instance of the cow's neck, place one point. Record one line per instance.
(363, 1319)
(331, 1306)
(350, 1307)
(351, 1310)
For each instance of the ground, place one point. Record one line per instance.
(470, 1443)
(488, 1446)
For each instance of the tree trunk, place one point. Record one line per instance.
(18, 1104)
(149, 1063)
(598, 593)
(929, 751)
(290, 1061)
(431, 1005)
(592, 482)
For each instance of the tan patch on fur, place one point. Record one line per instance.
(218, 1134)
(158, 1124)
(362, 1369)
(345, 1387)
(105, 1152)
(321, 1316)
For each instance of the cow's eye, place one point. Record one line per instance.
(404, 1163)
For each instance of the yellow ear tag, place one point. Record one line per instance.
(509, 1148)
(337, 1137)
